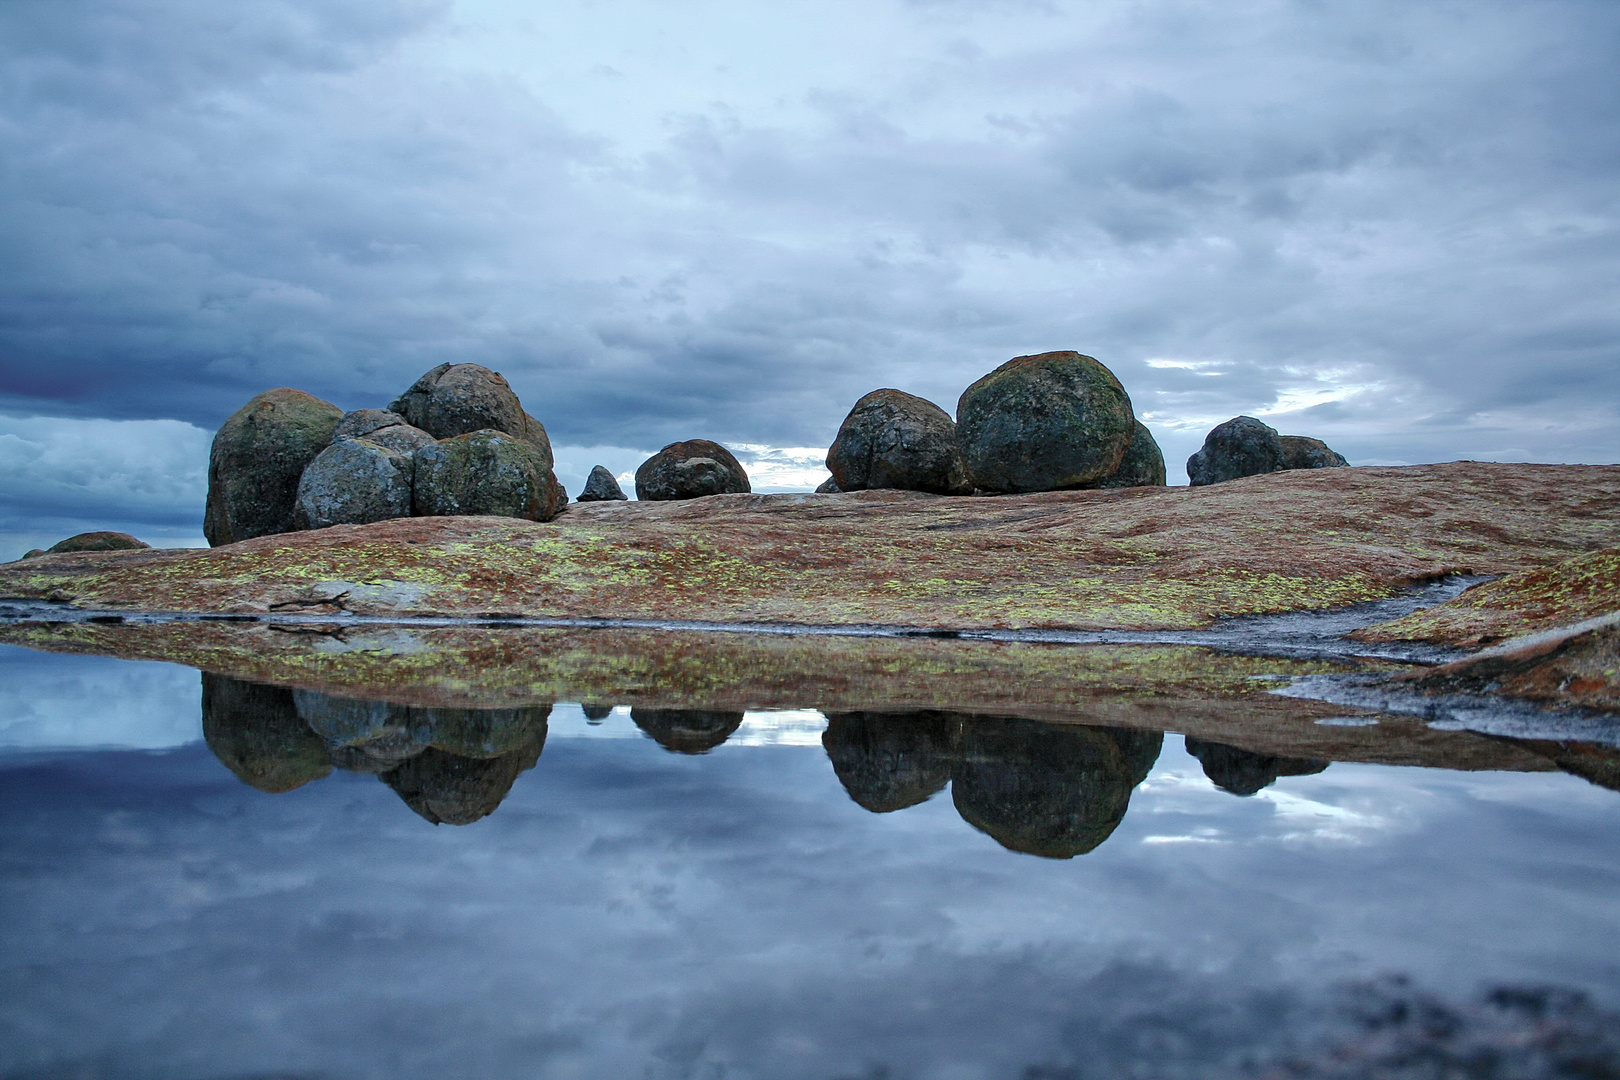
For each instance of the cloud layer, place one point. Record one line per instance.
(1392, 225)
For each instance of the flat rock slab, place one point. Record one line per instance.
(1136, 558)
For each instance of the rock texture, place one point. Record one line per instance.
(486, 472)
(1043, 423)
(891, 439)
(257, 458)
(1304, 452)
(97, 541)
(1142, 465)
(1243, 446)
(458, 399)
(687, 731)
(828, 486)
(383, 428)
(352, 482)
(1133, 558)
(690, 470)
(601, 486)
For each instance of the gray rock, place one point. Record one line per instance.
(458, 399)
(1304, 452)
(600, 486)
(352, 482)
(892, 439)
(1243, 446)
(256, 461)
(1044, 423)
(1142, 466)
(486, 472)
(690, 470)
(888, 761)
(828, 486)
(98, 541)
(448, 789)
(687, 731)
(256, 732)
(383, 428)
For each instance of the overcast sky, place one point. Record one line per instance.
(1390, 223)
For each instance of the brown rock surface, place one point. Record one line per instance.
(1129, 558)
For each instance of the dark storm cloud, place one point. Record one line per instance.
(1392, 224)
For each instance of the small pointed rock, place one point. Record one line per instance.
(601, 487)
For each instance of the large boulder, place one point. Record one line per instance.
(687, 731)
(383, 428)
(98, 541)
(352, 482)
(1142, 466)
(256, 732)
(1043, 423)
(690, 470)
(1304, 452)
(892, 439)
(458, 399)
(888, 761)
(1243, 446)
(257, 458)
(601, 486)
(486, 472)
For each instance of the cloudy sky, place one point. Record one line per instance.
(1389, 224)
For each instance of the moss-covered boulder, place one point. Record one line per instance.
(352, 482)
(690, 470)
(486, 472)
(1142, 466)
(1043, 423)
(1304, 452)
(458, 399)
(383, 428)
(98, 541)
(1243, 446)
(257, 459)
(892, 439)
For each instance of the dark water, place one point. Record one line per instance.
(927, 895)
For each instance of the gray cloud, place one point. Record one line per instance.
(1394, 226)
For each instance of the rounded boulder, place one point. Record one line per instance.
(458, 399)
(352, 482)
(257, 459)
(1044, 423)
(892, 439)
(98, 541)
(690, 470)
(383, 428)
(1243, 446)
(486, 472)
(1142, 465)
(1304, 452)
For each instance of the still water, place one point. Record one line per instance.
(732, 893)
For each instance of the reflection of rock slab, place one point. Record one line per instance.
(887, 761)
(1054, 790)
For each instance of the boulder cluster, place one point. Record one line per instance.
(1046, 422)
(1244, 446)
(456, 442)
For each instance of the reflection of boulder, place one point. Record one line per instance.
(448, 789)
(375, 736)
(256, 732)
(595, 714)
(687, 731)
(1243, 772)
(887, 761)
(1054, 790)
(1596, 763)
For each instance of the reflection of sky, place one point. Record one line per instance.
(631, 912)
